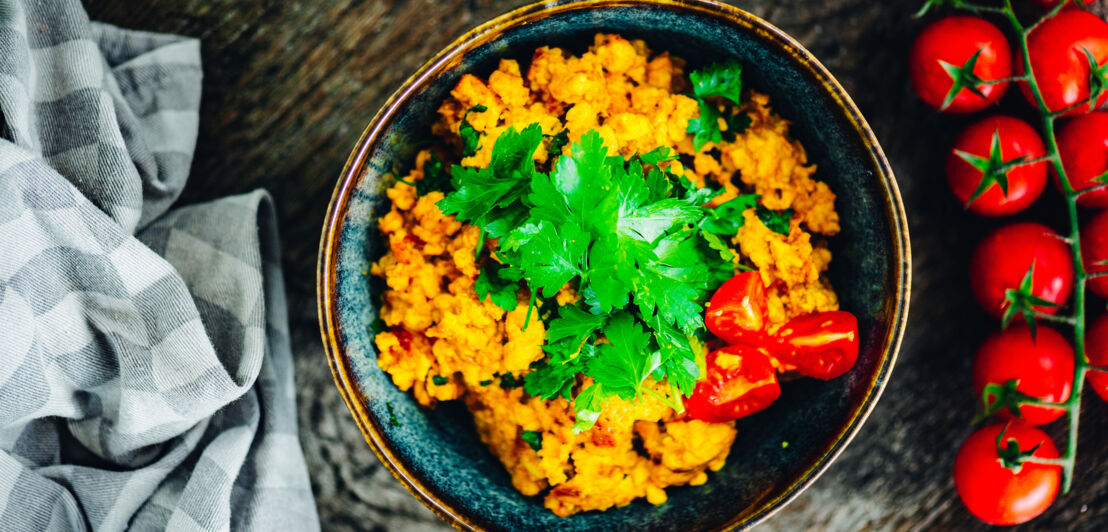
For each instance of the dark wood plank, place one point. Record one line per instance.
(289, 86)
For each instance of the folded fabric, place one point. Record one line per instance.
(145, 371)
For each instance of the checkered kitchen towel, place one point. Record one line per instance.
(145, 372)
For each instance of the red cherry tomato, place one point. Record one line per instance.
(1096, 348)
(738, 308)
(1025, 183)
(1002, 259)
(1094, 249)
(823, 345)
(1058, 61)
(996, 494)
(740, 381)
(954, 40)
(1083, 146)
(1042, 367)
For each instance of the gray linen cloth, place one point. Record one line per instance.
(145, 371)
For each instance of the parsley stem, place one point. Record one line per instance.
(530, 306)
(480, 243)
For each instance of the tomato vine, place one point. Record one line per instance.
(1077, 319)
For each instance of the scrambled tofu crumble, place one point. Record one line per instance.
(444, 343)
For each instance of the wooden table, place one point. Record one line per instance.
(290, 84)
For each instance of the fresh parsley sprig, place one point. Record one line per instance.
(719, 82)
(634, 240)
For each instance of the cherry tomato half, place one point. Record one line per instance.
(1057, 52)
(1094, 250)
(996, 494)
(1025, 183)
(740, 381)
(1083, 146)
(1002, 259)
(823, 345)
(1042, 367)
(738, 308)
(954, 40)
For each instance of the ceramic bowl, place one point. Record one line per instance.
(436, 454)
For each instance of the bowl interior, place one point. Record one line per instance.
(778, 451)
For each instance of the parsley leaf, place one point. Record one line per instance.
(491, 197)
(509, 381)
(439, 380)
(557, 142)
(552, 255)
(469, 135)
(620, 366)
(723, 81)
(727, 218)
(776, 221)
(737, 123)
(532, 438)
(718, 80)
(705, 127)
(435, 176)
(503, 292)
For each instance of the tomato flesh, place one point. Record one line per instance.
(1041, 366)
(996, 494)
(740, 381)
(823, 345)
(954, 40)
(738, 308)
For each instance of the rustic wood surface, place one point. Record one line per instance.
(289, 86)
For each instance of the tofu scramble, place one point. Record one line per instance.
(444, 343)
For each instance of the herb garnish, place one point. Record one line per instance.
(469, 135)
(776, 221)
(533, 438)
(627, 236)
(392, 415)
(439, 380)
(717, 81)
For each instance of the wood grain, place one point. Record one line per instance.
(289, 86)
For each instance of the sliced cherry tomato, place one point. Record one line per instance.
(996, 494)
(1057, 52)
(1002, 259)
(1096, 349)
(1094, 251)
(1083, 146)
(740, 381)
(823, 345)
(1016, 139)
(1041, 366)
(738, 308)
(954, 40)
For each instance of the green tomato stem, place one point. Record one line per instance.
(1077, 321)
